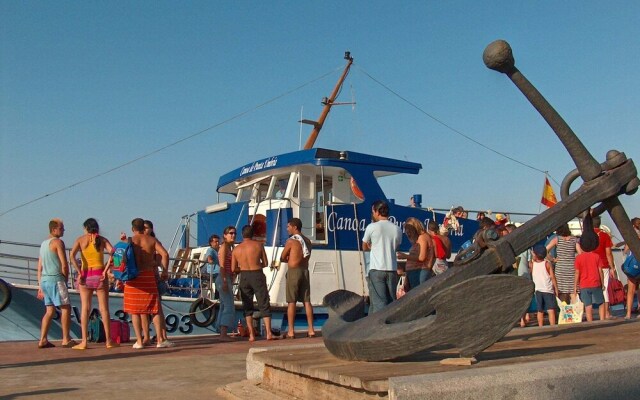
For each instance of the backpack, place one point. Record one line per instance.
(124, 261)
(615, 290)
(96, 329)
(630, 266)
(440, 251)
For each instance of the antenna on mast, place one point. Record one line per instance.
(328, 102)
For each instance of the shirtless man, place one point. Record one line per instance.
(249, 258)
(296, 254)
(141, 294)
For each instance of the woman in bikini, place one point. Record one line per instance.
(93, 276)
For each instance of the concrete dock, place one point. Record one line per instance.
(195, 368)
(598, 360)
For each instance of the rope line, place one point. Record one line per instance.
(449, 127)
(153, 152)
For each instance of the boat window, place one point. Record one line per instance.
(261, 190)
(244, 194)
(280, 188)
(324, 186)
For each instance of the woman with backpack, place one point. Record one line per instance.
(442, 248)
(93, 276)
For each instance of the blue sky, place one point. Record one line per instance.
(88, 86)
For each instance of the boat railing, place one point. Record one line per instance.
(18, 267)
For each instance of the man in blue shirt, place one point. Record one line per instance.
(381, 238)
(212, 265)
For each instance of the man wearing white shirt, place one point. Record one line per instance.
(381, 238)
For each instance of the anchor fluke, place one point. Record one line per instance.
(490, 306)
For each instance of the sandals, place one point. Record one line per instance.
(70, 344)
(80, 347)
(47, 345)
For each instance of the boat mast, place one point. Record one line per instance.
(328, 103)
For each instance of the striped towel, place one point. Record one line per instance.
(305, 250)
(141, 294)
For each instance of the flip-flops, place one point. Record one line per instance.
(289, 337)
(47, 345)
(69, 344)
(80, 347)
(113, 345)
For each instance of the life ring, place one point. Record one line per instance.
(5, 290)
(207, 308)
(356, 190)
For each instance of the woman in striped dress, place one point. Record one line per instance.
(566, 248)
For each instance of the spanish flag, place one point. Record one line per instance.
(548, 197)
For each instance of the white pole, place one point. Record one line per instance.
(300, 133)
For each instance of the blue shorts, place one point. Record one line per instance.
(591, 296)
(545, 301)
(55, 293)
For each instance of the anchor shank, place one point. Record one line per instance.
(499, 57)
(587, 165)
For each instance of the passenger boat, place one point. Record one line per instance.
(331, 191)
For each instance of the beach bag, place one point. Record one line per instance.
(570, 313)
(119, 331)
(96, 329)
(440, 266)
(124, 262)
(630, 266)
(615, 291)
(402, 287)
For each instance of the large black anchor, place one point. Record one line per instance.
(469, 306)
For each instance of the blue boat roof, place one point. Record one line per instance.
(321, 157)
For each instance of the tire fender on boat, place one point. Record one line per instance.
(205, 307)
(5, 295)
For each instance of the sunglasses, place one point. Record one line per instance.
(231, 233)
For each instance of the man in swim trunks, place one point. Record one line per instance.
(296, 254)
(249, 258)
(141, 294)
(53, 273)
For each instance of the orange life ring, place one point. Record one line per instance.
(356, 190)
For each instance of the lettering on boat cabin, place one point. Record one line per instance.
(337, 222)
(259, 165)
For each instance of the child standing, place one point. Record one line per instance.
(545, 283)
(589, 278)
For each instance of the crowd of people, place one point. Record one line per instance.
(565, 267)
(224, 260)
